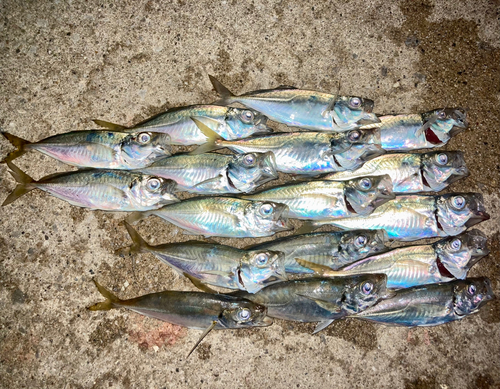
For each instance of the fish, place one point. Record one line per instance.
(333, 249)
(108, 190)
(213, 173)
(97, 148)
(228, 122)
(413, 217)
(322, 300)
(420, 131)
(322, 200)
(217, 264)
(412, 173)
(431, 305)
(304, 153)
(223, 216)
(408, 266)
(307, 109)
(196, 310)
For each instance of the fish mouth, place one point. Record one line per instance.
(478, 217)
(459, 115)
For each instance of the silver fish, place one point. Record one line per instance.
(433, 304)
(420, 131)
(109, 190)
(412, 173)
(305, 153)
(408, 266)
(217, 264)
(97, 148)
(323, 200)
(227, 122)
(201, 311)
(213, 173)
(414, 217)
(320, 299)
(333, 249)
(224, 216)
(304, 108)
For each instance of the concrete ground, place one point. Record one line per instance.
(65, 63)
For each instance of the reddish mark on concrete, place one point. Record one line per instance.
(147, 332)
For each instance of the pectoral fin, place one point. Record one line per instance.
(318, 269)
(200, 285)
(205, 333)
(322, 325)
(329, 306)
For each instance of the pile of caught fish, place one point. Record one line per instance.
(372, 186)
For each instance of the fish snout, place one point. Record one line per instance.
(477, 217)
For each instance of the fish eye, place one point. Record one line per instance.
(261, 259)
(360, 241)
(471, 289)
(354, 136)
(442, 159)
(365, 183)
(143, 138)
(249, 159)
(367, 288)
(247, 116)
(243, 314)
(153, 184)
(456, 244)
(266, 209)
(355, 102)
(458, 202)
(441, 115)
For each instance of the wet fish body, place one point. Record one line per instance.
(109, 190)
(412, 173)
(102, 149)
(430, 305)
(333, 249)
(213, 173)
(225, 217)
(305, 108)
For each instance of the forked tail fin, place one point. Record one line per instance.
(111, 299)
(226, 96)
(25, 184)
(18, 143)
(212, 141)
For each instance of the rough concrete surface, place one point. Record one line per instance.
(64, 63)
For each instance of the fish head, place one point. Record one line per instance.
(458, 211)
(364, 291)
(363, 195)
(360, 244)
(459, 253)
(260, 268)
(244, 314)
(268, 216)
(245, 122)
(442, 124)
(469, 295)
(152, 190)
(150, 146)
(250, 170)
(441, 168)
(349, 112)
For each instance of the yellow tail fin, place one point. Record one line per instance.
(213, 141)
(26, 184)
(225, 94)
(110, 302)
(18, 143)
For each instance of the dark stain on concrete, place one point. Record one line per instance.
(18, 297)
(360, 333)
(107, 331)
(204, 351)
(483, 381)
(421, 383)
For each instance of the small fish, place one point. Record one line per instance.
(320, 299)
(412, 173)
(420, 131)
(431, 305)
(223, 216)
(109, 190)
(227, 122)
(305, 153)
(322, 200)
(304, 108)
(213, 173)
(97, 148)
(333, 249)
(409, 266)
(217, 264)
(201, 311)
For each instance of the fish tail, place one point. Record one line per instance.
(139, 245)
(213, 142)
(18, 143)
(111, 299)
(226, 96)
(109, 125)
(25, 184)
